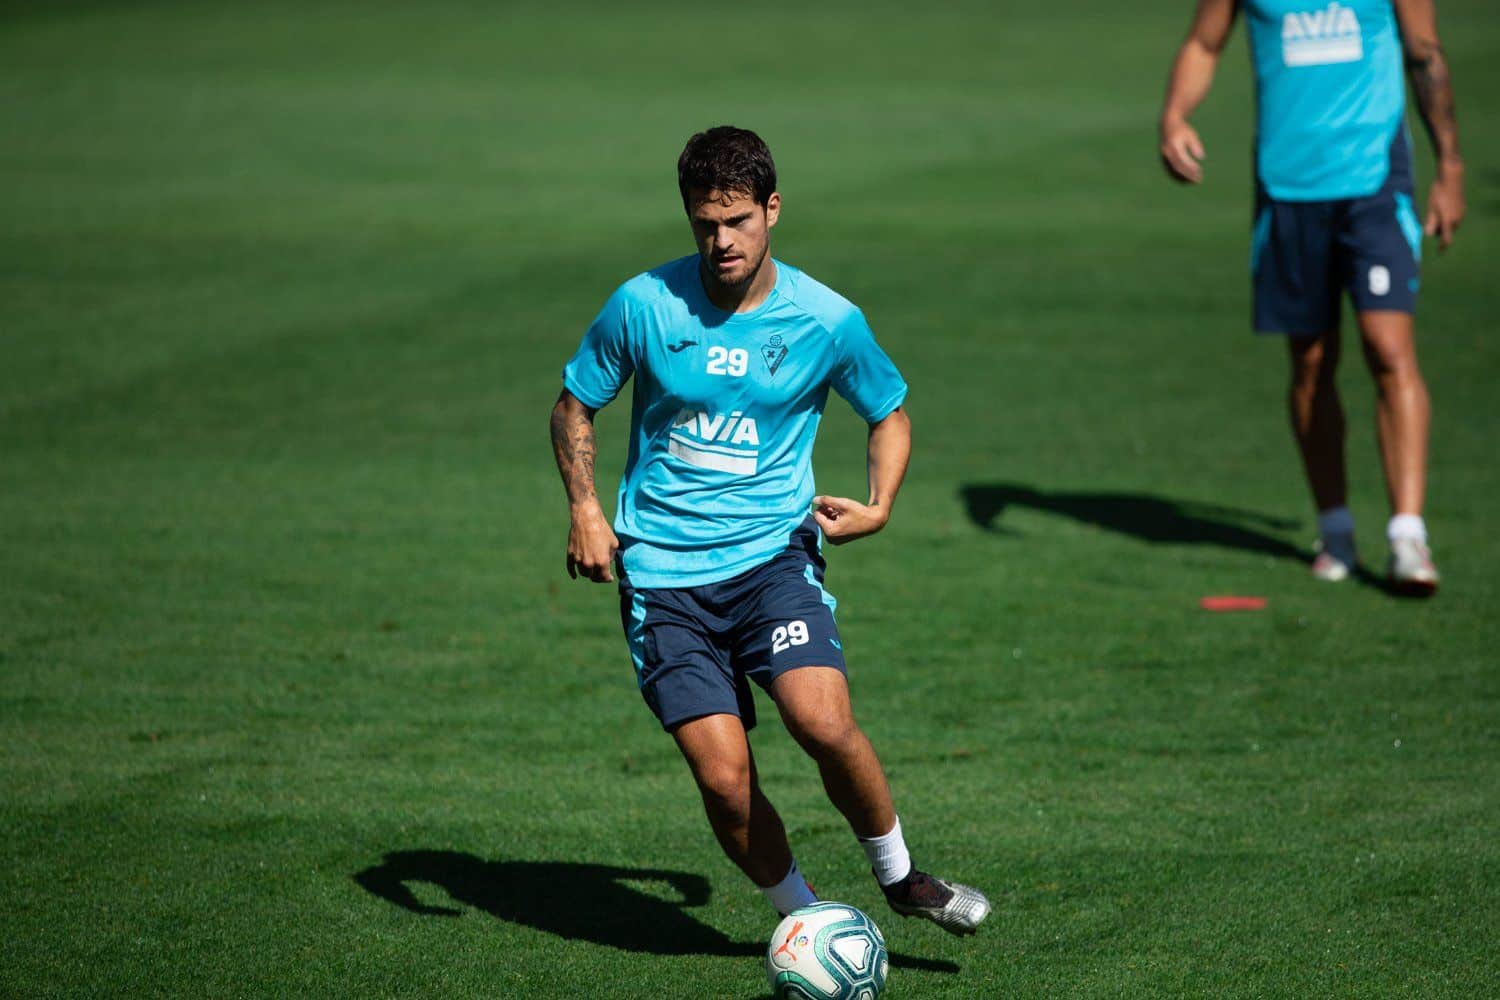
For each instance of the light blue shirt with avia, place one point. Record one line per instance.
(1331, 99)
(724, 413)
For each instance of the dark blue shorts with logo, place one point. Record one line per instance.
(1305, 254)
(697, 648)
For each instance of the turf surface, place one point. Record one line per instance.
(297, 699)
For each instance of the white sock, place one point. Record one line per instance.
(888, 855)
(1407, 526)
(1335, 521)
(791, 892)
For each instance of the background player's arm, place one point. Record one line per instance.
(591, 542)
(889, 449)
(1192, 75)
(1428, 70)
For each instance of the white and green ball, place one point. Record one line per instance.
(827, 951)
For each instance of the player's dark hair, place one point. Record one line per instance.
(728, 160)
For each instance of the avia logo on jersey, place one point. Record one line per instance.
(725, 443)
(1321, 37)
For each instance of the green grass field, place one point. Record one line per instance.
(298, 700)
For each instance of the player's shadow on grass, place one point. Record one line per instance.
(1153, 519)
(580, 902)
(1149, 518)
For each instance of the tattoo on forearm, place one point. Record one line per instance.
(573, 445)
(1434, 92)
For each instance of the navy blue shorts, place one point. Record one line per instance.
(1304, 254)
(696, 648)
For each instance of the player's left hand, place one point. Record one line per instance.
(844, 520)
(1445, 208)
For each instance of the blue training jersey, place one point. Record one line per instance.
(725, 409)
(1330, 96)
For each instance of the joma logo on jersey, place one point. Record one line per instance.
(724, 442)
(1321, 37)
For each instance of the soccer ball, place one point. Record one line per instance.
(827, 951)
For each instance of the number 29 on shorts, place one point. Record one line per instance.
(793, 633)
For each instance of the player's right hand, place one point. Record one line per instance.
(1181, 151)
(591, 546)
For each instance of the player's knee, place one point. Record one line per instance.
(1389, 346)
(725, 785)
(1392, 363)
(1313, 369)
(825, 735)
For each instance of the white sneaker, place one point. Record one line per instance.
(1411, 570)
(1335, 558)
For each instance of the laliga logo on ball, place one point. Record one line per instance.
(786, 956)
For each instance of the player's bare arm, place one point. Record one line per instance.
(1428, 70)
(1192, 75)
(889, 449)
(591, 542)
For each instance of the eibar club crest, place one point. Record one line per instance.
(774, 352)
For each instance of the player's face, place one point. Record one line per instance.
(733, 234)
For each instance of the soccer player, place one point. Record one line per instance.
(1334, 213)
(717, 535)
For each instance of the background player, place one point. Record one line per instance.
(721, 574)
(1334, 212)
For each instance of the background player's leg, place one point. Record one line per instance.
(1403, 410)
(814, 705)
(1318, 426)
(1318, 416)
(743, 819)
